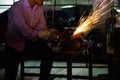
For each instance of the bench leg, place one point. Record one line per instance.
(69, 68)
(22, 70)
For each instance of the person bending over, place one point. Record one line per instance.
(26, 35)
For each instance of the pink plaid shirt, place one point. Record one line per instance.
(24, 23)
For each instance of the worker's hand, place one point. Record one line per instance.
(50, 34)
(53, 34)
(52, 30)
(44, 34)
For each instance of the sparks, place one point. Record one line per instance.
(95, 16)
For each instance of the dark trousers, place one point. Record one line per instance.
(38, 48)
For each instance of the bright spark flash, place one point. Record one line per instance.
(86, 23)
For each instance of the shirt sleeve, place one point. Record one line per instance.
(17, 18)
(42, 22)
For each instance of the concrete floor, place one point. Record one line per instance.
(75, 71)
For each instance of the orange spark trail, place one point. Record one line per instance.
(86, 23)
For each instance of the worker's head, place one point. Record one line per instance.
(38, 2)
(35, 2)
